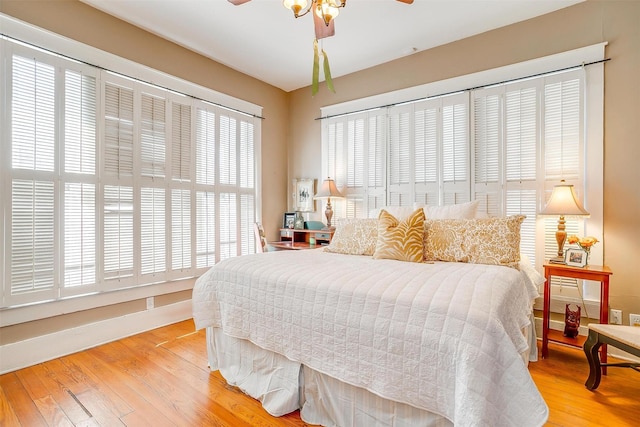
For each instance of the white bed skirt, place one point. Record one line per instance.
(283, 386)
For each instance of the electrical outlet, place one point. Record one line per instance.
(634, 319)
(615, 318)
(150, 303)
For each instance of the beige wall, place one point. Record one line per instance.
(617, 22)
(291, 135)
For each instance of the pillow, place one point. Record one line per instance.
(477, 241)
(400, 212)
(400, 240)
(460, 211)
(354, 236)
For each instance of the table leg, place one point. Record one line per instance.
(590, 348)
(545, 316)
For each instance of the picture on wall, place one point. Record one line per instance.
(303, 192)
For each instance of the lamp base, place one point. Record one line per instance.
(557, 260)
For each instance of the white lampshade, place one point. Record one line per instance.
(564, 202)
(328, 189)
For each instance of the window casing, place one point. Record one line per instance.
(506, 145)
(113, 183)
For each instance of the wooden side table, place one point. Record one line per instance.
(598, 273)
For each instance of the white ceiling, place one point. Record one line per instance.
(262, 39)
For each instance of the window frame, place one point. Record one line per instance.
(592, 136)
(17, 310)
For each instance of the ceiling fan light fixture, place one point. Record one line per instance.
(295, 5)
(328, 9)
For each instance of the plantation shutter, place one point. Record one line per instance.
(375, 167)
(400, 154)
(487, 148)
(353, 187)
(205, 229)
(355, 156)
(180, 229)
(563, 151)
(118, 122)
(79, 234)
(426, 150)
(152, 230)
(152, 136)
(228, 150)
(79, 209)
(521, 165)
(247, 166)
(118, 232)
(228, 225)
(181, 143)
(455, 150)
(32, 264)
(181, 198)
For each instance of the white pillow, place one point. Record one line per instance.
(467, 210)
(460, 211)
(399, 212)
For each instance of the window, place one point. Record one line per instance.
(115, 183)
(505, 145)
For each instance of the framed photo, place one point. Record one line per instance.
(575, 257)
(303, 192)
(288, 219)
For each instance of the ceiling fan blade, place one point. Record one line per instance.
(323, 30)
(402, 1)
(239, 2)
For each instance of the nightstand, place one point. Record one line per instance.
(597, 273)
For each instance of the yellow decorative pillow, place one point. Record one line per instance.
(477, 241)
(400, 240)
(354, 236)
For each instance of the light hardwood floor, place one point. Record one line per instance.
(160, 378)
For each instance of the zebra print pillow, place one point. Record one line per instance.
(400, 240)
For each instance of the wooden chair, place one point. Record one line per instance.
(261, 240)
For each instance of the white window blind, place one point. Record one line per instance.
(360, 168)
(505, 145)
(115, 183)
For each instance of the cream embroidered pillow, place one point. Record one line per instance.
(400, 240)
(476, 241)
(354, 236)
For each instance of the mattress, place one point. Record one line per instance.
(444, 337)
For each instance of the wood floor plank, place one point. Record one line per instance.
(95, 385)
(7, 416)
(59, 391)
(144, 413)
(161, 378)
(24, 408)
(51, 412)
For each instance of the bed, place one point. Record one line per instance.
(358, 340)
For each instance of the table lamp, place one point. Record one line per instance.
(328, 190)
(563, 202)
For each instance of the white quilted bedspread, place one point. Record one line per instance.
(445, 337)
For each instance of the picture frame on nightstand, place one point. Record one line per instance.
(575, 257)
(288, 219)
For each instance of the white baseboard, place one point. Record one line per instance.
(36, 350)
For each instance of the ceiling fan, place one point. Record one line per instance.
(325, 12)
(323, 20)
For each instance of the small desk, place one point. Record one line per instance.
(596, 273)
(296, 246)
